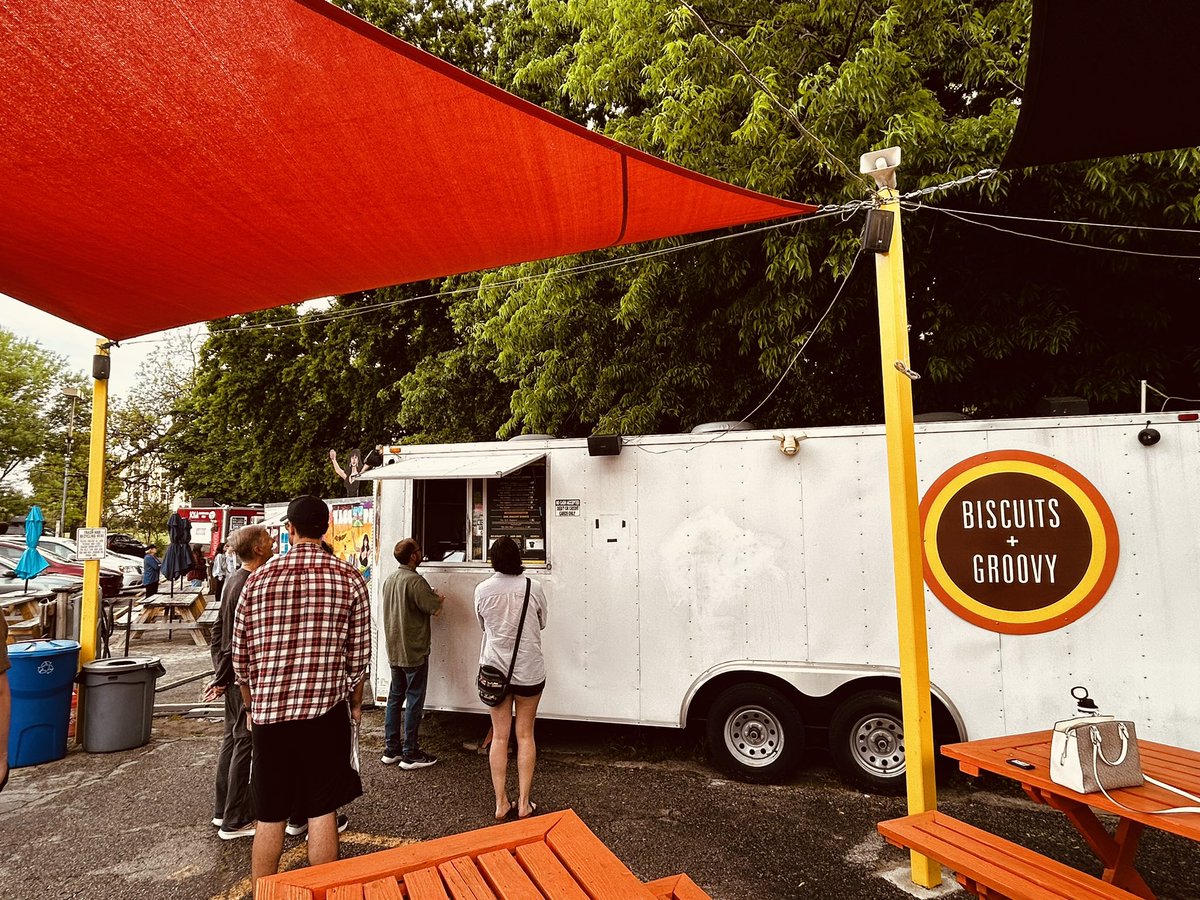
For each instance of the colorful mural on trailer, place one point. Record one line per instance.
(351, 531)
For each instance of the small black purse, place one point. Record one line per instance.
(491, 682)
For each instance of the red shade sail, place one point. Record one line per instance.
(172, 161)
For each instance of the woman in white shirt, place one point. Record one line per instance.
(498, 604)
(220, 571)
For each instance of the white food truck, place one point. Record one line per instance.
(745, 579)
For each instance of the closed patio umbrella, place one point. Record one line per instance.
(31, 562)
(179, 551)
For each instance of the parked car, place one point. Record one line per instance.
(127, 544)
(110, 579)
(66, 550)
(11, 584)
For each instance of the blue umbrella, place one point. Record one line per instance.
(32, 563)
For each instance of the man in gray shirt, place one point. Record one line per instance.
(408, 605)
(233, 814)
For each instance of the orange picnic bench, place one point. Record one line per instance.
(992, 867)
(552, 855)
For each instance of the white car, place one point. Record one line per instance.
(65, 549)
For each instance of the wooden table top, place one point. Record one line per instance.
(552, 855)
(178, 600)
(1172, 765)
(17, 598)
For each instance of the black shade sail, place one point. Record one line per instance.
(1106, 78)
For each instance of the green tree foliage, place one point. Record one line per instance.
(34, 420)
(998, 320)
(67, 438)
(30, 378)
(276, 390)
(141, 426)
(14, 501)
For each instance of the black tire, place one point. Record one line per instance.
(866, 741)
(755, 733)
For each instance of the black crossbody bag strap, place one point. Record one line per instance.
(520, 628)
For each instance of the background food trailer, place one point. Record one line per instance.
(212, 524)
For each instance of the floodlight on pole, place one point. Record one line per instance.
(74, 393)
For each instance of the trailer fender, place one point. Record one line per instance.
(814, 681)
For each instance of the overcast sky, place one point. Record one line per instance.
(75, 343)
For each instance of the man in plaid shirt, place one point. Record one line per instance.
(301, 647)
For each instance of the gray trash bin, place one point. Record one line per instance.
(116, 702)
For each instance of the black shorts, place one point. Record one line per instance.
(301, 769)
(527, 690)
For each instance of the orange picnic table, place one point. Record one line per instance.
(1135, 807)
(549, 856)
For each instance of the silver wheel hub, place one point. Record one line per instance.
(877, 745)
(754, 736)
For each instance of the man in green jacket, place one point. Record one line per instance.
(408, 605)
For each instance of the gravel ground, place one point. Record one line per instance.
(134, 824)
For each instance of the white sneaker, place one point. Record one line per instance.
(232, 834)
(218, 821)
(389, 760)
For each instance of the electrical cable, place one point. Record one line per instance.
(786, 110)
(319, 318)
(779, 381)
(1167, 399)
(1194, 232)
(917, 207)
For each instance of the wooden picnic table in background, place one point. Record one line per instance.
(169, 613)
(552, 855)
(22, 613)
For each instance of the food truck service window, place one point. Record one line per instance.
(456, 519)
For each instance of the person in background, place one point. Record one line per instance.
(233, 813)
(301, 652)
(407, 607)
(199, 570)
(498, 604)
(5, 702)
(232, 562)
(151, 569)
(220, 570)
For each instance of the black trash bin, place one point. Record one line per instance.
(116, 702)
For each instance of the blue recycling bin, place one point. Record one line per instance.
(40, 680)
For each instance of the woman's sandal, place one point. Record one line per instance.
(532, 811)
(512, 807)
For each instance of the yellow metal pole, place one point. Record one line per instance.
(90, 615)
(906, 525)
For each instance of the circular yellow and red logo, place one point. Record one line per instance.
(1017, 542)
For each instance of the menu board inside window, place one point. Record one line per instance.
(516, 508)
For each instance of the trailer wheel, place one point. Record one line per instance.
(866, 741)
(755, 733)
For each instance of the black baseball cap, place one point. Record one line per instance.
(309, 515)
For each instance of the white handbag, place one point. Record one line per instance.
(1095, 753)
(1100, 753)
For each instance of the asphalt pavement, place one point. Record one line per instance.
(134, 825)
